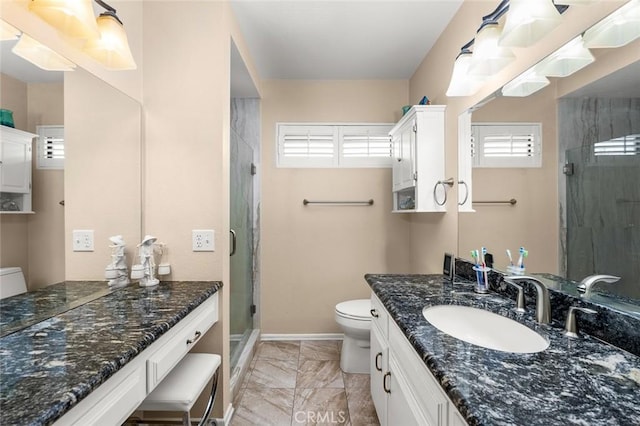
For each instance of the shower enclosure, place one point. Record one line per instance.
(244, 201)
(603, 213)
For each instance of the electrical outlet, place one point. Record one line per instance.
(82, 240)
(203, 240)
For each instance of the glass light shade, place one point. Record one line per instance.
(570, 58)
(489, 57)
(463, 84)
(8, 32)
(618, 29)
(112, 47)
(40, 55)
(73, 18)
(525, 84)
(528, 21)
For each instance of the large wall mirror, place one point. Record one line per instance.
(101, 181)
(577, 214)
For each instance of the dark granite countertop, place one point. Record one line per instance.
(584, 382)
(48, 367)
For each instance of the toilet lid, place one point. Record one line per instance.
(360, 308)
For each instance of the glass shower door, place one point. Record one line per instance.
(242, 253)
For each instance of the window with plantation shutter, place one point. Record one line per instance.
(333, 145)
(50, 147)
(625, 145)
(506, 144)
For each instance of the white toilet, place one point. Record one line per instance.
(354, 317)
(11, 282)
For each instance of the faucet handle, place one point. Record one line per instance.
(570, 326)
(520, 298)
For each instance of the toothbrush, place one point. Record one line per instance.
(483, 251)
(509, 256)
(524, 256)
(474, 254)
(520, 259)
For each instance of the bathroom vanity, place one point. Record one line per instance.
(96, 361)
(430, 377)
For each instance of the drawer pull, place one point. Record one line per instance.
(374, 313)
(384, 382)
(378, 357)
(195, 338)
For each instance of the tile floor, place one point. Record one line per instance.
(300, 383)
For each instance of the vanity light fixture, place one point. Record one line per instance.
(525, 84)
(8, 32)
(72, 18)
(111, 48)
(570, 58)
(462, 83)
(616, 30)
(528, 21)
(40, 55)
(488, 56)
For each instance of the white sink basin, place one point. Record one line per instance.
(484, 328)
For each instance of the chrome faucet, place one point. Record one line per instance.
(543, 302)
(587, 284)
(570, 327)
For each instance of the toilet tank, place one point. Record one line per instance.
(11, 282)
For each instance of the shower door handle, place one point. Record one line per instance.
(233, 242)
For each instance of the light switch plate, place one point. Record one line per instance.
(203, 240)
(82, 240)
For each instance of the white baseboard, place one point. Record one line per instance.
(310, 336)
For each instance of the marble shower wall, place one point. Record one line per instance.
(245, 129)
(600, 202)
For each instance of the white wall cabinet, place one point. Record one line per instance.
(15, 169)
(403, 390)
(418, 163)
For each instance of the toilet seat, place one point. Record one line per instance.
(359, 310)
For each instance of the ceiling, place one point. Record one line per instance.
(341, 40)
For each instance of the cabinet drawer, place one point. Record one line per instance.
(426, 390)
(117, 402)
(178, 342)
(380, 316)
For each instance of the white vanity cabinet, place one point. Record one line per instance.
(15, 167)
(403, 390)
(113, 401)
(418, 160)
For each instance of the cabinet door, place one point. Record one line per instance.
(401, 408)
(408, 144)
(16, 165)
(379, 355)
(396, 166)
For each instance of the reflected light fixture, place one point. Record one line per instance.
(525, 84)
(40, 55)
(616, 30)
(111, 48)
(72, 18)
(528, 21)
(463, 84)
(570, 58)
(488, 56)
(8, 32)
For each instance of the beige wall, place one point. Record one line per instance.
(316, 256)
(102, 171)
(46, 227)
(533, 221)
